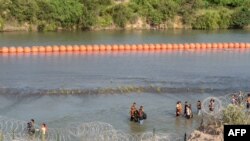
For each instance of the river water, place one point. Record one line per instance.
(65, 90)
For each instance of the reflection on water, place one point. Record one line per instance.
(122, 37)
(215, 69)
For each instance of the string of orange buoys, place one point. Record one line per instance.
(121, 47)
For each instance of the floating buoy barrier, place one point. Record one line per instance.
(121, 47)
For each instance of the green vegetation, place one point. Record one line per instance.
(235, 115)
(51, 15)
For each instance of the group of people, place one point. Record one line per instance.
(31, 130)
(235, 100)
(187, 112)
(238, 99)
(137, 115)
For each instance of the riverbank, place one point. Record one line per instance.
(213, 134)
(176, 24)
(55, 15)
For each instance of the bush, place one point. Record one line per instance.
(24, 10)
(104, 21)
(225, 18)
(209, 20)
(85, 14)
(1, 24)
(168, 8)
(120, 14)
(230, 3)
(234, 114)
(154, 18)
(189, 8)
(241, 18)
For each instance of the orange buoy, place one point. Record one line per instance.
(76, 48)
(83, 48)
(225, 45)
(209, 45)
(139, 47)
(169, 46)
(108, 47)
(247, 45)
(55, 48)
(121, 47)
(186, 46)
(164, 46)
(192, 46)
(145, 47)
(220, 45)
(231, 45)
(48, 49)
(242, 45)
(214, 45)
(12, 50)
(181, 46)
(127, 47)
(133, 47)
(96, 48)
(62, 48)
(69, 48)
(157, 46)
(27, 50)
(34, 49)
(115, 47)
(102, 47)
(203, 45)
(197, 45)
(176, 46)
(151, 47)
(41, 49)
(89, 48)
(236, 45)
(5, 50)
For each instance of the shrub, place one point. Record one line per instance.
(230, 3)
(241, 18)
(120, 14)
(154, 18)
(1, 24)
(225, 18)
(24, 10)
(234, 114)
(209, 20)
(104, 21)
(88, 19)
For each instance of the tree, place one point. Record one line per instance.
(209, 20)
(121, 14)
(241, 18)
(24, 10)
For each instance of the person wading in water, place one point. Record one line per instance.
(198, 107)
